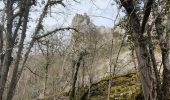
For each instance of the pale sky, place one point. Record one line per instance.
(101, 12)
(95, 9)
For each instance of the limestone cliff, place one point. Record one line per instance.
(97, 40)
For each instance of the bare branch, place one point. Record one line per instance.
(34, 72)
(56, 2)
(36, 32)
(54, 31)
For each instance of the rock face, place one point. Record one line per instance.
(89, 34)
(86, 37)
(83, 23)
(97, 40)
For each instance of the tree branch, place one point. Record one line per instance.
(34, 72)
(146, 14)
(54, 31)
(134, 20)
(36, 32)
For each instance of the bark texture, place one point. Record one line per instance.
(142, 53)
(164, 45)
(13, 83)
(1, 47)
(8, 49)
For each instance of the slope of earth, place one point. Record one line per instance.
(124, 87)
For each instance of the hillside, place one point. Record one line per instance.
(124, 87)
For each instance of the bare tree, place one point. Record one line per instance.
(15, 29)
(19, 53)
(9, 42)
(76, 66)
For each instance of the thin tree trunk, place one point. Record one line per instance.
(90, 83)
(154, 65)
(38, 28)
(133, 58)
(90, 74)
(8, 50)
(110, 71)
(46, 67)
(1, 42)
(77, 66)
(36, 32)
(46, 77)
(13, 82)
(83, 73)
(72, 92)
(1, 47)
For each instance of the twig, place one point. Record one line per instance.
(33, 72)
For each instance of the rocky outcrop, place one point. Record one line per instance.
(89, 34)
(97, 40)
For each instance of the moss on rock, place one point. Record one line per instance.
(125, 87)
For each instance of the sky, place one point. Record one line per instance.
(101, 12)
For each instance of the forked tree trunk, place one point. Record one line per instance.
(142, 53)
(144, 68)
(13, 81)
(76, 66)
(73, 90)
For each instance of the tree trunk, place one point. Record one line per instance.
(145, 72)
(45, 81)
(1, 47)
(36, 32)
(164, 44)
(9, 48)
(142, 53)
(154, 65)
(46, 67)
(77, 66)
(72, 92)
(13, 82)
